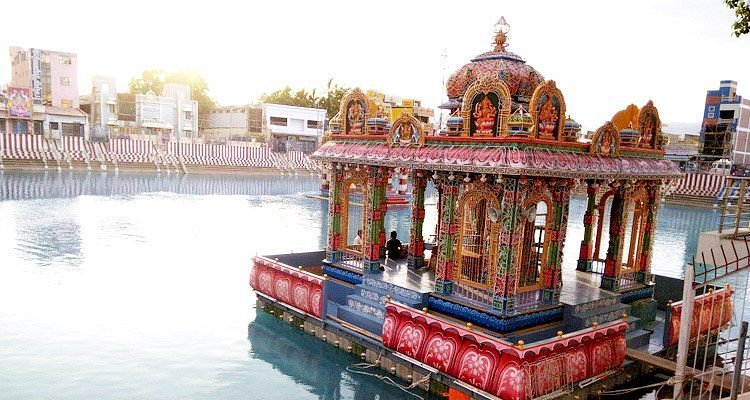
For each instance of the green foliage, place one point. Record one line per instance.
(154, 79)
(302, 98)
(741, 8)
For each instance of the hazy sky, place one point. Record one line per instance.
(602, 54)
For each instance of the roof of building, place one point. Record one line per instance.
(70, 112)
(498, 160)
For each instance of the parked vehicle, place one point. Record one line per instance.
(720, 167)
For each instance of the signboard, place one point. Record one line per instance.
(36, 74)
(19, 102)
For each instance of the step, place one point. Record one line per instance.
(366, 306)
(638, 339)
(356, 318)
(409, 297)
(537, 335)
(592, 307)
(634, 323)
(584, 320)
(380, 295)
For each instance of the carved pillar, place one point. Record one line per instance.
(333, 250)
(644, 263)
(505, 276)
(447, 237)
(586, 253)
(325, 184)
(617, 221)
(374, 210)
(416, 239)
(552, 274)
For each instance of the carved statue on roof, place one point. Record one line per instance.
(355, 116)
(484, 117)
(548, 120)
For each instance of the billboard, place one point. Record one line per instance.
(19, 102)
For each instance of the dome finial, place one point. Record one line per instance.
(501, 34)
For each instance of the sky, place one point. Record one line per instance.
(603, 55)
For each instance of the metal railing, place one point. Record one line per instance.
(352, 258)
(734, 217)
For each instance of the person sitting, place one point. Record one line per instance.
(358, 240)
(394, 247)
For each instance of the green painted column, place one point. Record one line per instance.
(447, 236)
(374, 210)
(333, 250)
(416, 238)
(508, 242)
(613, 264)
(644, 263)
(585, 255)
(552, 274)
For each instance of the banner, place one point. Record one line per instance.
(36, 74)
(19, 102)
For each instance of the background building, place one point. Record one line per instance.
(51, 75)
(293, 128)
(172, 116)
(236, 123)
(725, 131)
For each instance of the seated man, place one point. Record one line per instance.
(394, 247)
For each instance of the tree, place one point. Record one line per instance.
(151, 79)
(741, 8)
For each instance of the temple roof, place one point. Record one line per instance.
(506, 160)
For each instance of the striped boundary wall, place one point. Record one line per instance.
(700, 185)
(23, 147)
(30, 147)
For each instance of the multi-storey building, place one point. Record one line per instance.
(293, 128)
(725, 131)
(171, 116)
(51, 75)
(239, 123)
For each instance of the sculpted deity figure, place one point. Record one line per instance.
(484, 117)
(547, 120)
(648, 132)
(606, 145)
(355, 118)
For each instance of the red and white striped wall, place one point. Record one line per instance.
(703, 185)
(22, 146)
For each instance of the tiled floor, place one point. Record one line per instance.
(578, 287)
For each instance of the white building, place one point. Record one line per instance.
(238, 123)
(293, 128)
(172, 116)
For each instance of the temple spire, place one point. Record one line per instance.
(501, 34)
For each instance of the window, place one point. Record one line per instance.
(38, 127)
(278, 121)
(477, 239)
(72, 129)
(534, 243)
(19, 126)
(54, 125)
(66, 103)
(111, 108)
(313, 124)
(710, 115)
(188, 115)
(65, 81)
(2, 125)
(711, 108)
(65, 60)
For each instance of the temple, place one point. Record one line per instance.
(504, 167)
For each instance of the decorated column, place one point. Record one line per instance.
(585, 255)
(374, 210)
(617, 218)
(552, 273)
(333, 251)
(509, 240)
(447, 236)
(403, 179)
(644, 263)
(416, 239)
(324, 183)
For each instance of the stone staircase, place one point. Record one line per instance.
(608, 309)
(365, 307)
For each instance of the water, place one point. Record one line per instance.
(132, 286)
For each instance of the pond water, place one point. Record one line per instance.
(135, 286)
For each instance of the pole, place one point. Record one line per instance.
(738, 361)
(686, 319)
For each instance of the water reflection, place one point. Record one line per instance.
(16, 185)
